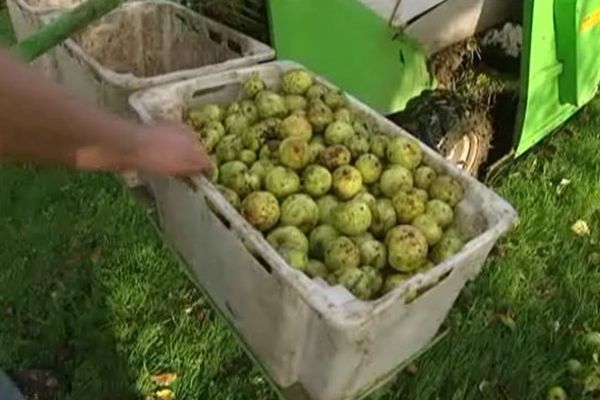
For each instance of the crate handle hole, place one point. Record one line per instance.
(234, 46)
(424, 289)
(227, 224)
(260, 260)
(215, 36)
(217, 214)
(204, 92)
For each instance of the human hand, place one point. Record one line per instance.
(170, 149)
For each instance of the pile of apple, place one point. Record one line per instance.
(334, 196)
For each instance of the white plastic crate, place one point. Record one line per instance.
(148, 43)
(308, 335)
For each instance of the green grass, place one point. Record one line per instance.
(540, 273)
(87, 289)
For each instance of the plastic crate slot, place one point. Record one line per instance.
(204, 92)
(234, 46)
(260, 260)
(217, 214)
(251, 249)
(215, 36)
(254, 252)
(428, 286)
(227, 225)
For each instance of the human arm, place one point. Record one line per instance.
(41, 123)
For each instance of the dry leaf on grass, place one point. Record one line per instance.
(564, 183)
(580, 228)
(508, 321)
(164, 379)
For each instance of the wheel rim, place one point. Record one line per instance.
(465, 153)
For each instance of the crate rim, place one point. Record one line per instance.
(261, 52)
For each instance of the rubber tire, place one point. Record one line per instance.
(431, 115)
(448, 124)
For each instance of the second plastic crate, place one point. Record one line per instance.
(148, 43)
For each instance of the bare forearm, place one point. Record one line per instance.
(39, 121)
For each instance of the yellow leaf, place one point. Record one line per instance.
(580, 228)
(508, 322)
(164, 394)
(164, 379)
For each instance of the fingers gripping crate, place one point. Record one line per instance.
(148, 43)
(304, 332)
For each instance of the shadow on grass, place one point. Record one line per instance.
(89, 292)
(56, 336)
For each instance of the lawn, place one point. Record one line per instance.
(88, 291)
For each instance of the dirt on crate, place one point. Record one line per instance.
(152, 41)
